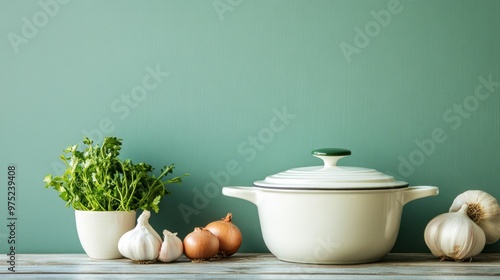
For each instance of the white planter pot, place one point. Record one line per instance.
(99, 231)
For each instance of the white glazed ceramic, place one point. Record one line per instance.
(354, 221)
(100, 231)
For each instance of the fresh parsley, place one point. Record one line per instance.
(95, 179)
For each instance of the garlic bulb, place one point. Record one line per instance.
(453, 235)
(171, 248)
(141, 244)
(484, 210)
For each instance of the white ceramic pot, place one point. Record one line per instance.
(100, 231)
(330, 214)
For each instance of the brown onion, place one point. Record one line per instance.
(200, 244)
(228, 234)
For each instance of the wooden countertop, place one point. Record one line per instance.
(249, 266)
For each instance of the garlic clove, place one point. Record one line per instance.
(454, 236)
(141, 244)
(483, 209)
(171, 248)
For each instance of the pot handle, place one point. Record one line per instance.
(246, 193)
(417, 192)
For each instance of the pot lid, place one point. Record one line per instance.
(330, 175)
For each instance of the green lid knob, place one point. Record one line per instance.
(330, 156)
(331, 152)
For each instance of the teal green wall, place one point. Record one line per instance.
(411, 87)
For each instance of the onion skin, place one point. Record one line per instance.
(228, 234)
(200, 244)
